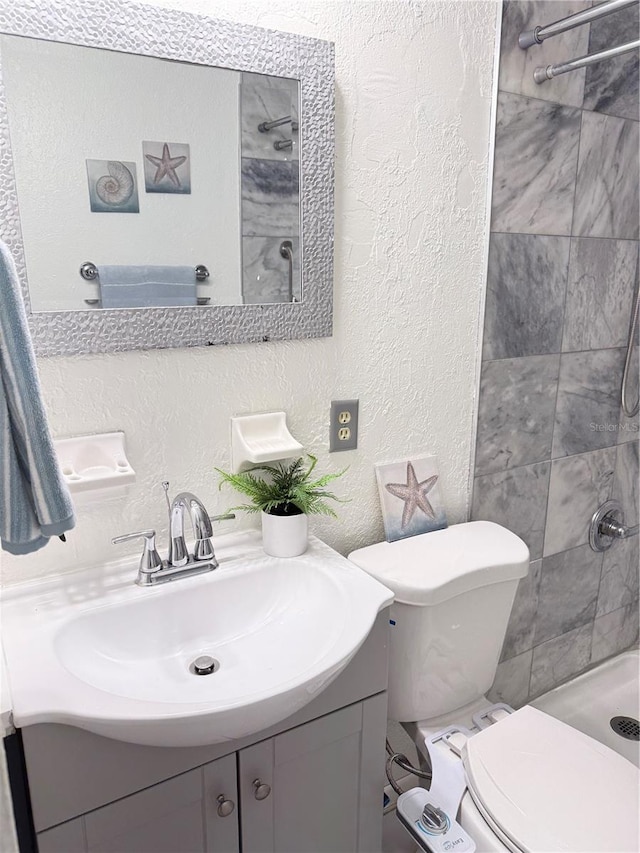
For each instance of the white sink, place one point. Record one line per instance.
(96, 651)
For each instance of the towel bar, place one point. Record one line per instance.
(97, 303)
(89, 272)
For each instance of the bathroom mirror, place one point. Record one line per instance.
(166, 179)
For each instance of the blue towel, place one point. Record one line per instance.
(147, 287)
(34, 500)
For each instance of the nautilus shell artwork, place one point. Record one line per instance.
(116, 187)
(112, 186)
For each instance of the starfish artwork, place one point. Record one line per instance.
(419, 498)
(414, 495)
(161, 170)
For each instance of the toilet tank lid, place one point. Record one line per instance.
(433, 567)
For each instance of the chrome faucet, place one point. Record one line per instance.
(203, 549)
(179, 563)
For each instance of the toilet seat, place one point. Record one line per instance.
(544, 786)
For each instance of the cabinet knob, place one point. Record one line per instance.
(260, 789)
(225, 807)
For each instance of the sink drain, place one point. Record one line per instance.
(204, 665)
(626, 727)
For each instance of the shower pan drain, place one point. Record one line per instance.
(626, 727)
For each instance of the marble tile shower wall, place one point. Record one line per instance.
(270, 189)
(563, 269)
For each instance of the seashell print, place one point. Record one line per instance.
(117, 187)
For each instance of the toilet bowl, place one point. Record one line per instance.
(503, 780)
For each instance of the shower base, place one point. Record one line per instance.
(592, 700)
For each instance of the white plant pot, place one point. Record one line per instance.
(285, 535)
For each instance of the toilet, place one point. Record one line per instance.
(503, 780)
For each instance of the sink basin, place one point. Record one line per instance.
(95, 651)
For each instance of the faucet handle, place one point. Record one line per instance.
(150, 561)
(203, 548)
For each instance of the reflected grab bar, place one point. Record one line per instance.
(286, 250)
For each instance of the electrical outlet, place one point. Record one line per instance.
(343, 433)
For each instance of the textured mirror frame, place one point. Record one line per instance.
(170, 34)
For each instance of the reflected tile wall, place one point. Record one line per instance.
(265, 273)
(269, 198)
(270, 189)
(265, 98)
(563, 269)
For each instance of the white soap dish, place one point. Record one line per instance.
(94, 462)
(256, 439)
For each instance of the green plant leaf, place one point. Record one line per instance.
(284, 484)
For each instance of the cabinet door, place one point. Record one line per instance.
(161, 819)
(221, 805)
(182, 814)
(66, 838)
(326, 783)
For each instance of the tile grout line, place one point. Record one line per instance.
(557, 352)
(556, 458)
(581, 109)
(565, 236)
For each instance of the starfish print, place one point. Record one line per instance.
(167, 165)
(414, 495)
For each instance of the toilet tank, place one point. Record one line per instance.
(454, 590)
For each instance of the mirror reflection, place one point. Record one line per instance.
(144, 182)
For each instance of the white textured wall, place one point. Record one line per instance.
(413, 106)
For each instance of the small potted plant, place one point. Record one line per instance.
(285, 495)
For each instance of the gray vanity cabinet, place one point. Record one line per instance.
(313, 789)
